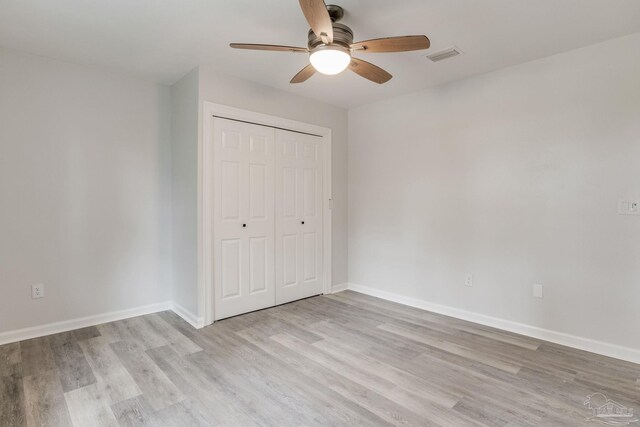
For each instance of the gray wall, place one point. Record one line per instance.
(85, 199)
(513, 176)
(184, 174)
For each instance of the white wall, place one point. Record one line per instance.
(513, 176)
(184, 172)
(84, 191)
(234, 92)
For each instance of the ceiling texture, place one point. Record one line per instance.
(161, 40)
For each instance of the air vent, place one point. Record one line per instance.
(444, 54)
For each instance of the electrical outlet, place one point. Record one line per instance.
(468, 280)
(37, 291)
(538, 290)
(628, 207)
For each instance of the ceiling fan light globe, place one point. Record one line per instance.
(330, 60)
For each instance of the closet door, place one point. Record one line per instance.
(243, 211)
(298, 190)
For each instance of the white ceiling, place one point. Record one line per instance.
(161, 40)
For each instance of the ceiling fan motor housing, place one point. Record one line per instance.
(342, 36)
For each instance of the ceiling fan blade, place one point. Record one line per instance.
(369, 71)
(393, 44)
(270, 47)
(318, 18)
(304, 74)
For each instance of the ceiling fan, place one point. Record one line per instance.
(330, 45)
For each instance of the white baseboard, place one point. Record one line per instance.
(581, 343)
(339, 287)
(82, 322)
(98, 319)
(187, 316)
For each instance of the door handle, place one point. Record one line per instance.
(244, 225)
(302, 222)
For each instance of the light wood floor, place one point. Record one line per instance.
(344, 359)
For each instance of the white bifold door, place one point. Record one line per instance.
(299, 265)
(267, 225)
(244, 215)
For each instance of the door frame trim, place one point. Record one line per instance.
(205, 194)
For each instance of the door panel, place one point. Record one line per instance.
(244, 217)
(230, 257)
(309, 193)
(257, 191)
(231, 140)
(309, 256)
(257, 264)
(289, 259)
(289, 178)
(231, 191)
(298, 200)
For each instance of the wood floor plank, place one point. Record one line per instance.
(72, 366)
(36, 356)
(9, 356)
(183, 327)
(324, 406)
(115, 332)
(178, 341)
(89, 406)
(399, 378)
(452, 348)
(86, 333)
(248, 404)
(179, 324)
(75, 373)
(421, 316)
(190, 377)
(108, 369)
(358, 399)
(387, 345)
(12, 410)
(151, 380)
(526, 343)
(185, 413)
(144, 335)
(344, 411)
(64, 346)
(44, 400)
(269, 322)
(134, 412)
(384, 407)
(354, 373)
(293, 314)
(252, 365)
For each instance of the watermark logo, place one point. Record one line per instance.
(608, 412)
